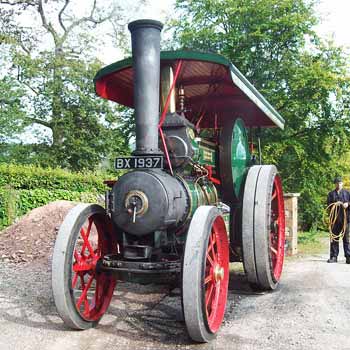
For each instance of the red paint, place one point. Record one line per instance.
(215, 292)
(164, 112)
(210, 175)
(199, 120)
(93, 292)
(277, 236)
(166, 150)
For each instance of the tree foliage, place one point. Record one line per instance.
(49, 84)
(307, 80)
(12, 113)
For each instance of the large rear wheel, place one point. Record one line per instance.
(263, 227)
(205, 274)
(81, 292)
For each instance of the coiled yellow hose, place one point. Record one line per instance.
(334, 211)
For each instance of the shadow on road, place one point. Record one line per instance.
(147, 313)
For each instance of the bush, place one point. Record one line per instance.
(29, 177)
(8, 199)
(23, 188)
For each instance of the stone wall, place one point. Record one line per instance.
(291, 212)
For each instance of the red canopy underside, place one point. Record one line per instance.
(209, 89)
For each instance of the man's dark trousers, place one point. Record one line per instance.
(346, 244)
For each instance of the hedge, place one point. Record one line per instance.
(29, 177)
(15, 203)
(23, 188)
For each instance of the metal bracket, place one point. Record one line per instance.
(224, 208)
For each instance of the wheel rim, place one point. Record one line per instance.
(92, 290)
(277, 233)
(216, 275)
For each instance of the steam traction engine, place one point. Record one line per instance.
(194, 199)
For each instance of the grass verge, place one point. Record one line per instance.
(313, 242)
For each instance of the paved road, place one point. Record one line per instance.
(310, 310)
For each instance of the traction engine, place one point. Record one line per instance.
(193, 199)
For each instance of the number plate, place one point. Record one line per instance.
(139, 162)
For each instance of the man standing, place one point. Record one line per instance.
(339, 195)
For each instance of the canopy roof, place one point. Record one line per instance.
(213, 86)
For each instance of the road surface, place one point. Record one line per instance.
(310, 310)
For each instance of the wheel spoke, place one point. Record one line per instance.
(76, 256)
(208, 295)
(89, 227)
(97, 298)
(211, 248)
(86, 307)
(86, 243)
(213, 237)
(273, 250)
(83, 296)
(208, 279)
(82, 282)
(274, 195)
(215, 299)
(75, 279)
(87, 234)
(210, 260)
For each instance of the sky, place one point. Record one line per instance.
(335, 20)
(335, 17)
(335, 25)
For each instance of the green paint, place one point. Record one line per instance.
(200, 194)
(166, 56)
(241, 157)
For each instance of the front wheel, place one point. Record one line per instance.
(81, 292)
(205, 274)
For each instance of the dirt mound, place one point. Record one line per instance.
(33, 236)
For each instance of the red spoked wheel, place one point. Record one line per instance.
(277, 234)
(263, 227)
(205, 274)
(82, 292)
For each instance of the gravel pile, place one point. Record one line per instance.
(33, 236)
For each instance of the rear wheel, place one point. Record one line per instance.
(81, 292)
(205, 274)
(263, 227)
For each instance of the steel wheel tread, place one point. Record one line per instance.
(201, 326)
(263, 271)
(62, 264)
(249, 262)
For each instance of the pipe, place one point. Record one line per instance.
(167, 78)
(145, 36)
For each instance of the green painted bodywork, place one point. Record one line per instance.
(241, 158)
(207, 154)
(204, 151)
(200, 193)
(164, 56)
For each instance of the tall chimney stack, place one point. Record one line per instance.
(145, 35)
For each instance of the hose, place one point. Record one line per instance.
(334, 210)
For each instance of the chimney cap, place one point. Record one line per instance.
(145, 23)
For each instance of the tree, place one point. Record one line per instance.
(54, 66)
(12, 114)
(273, 43)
